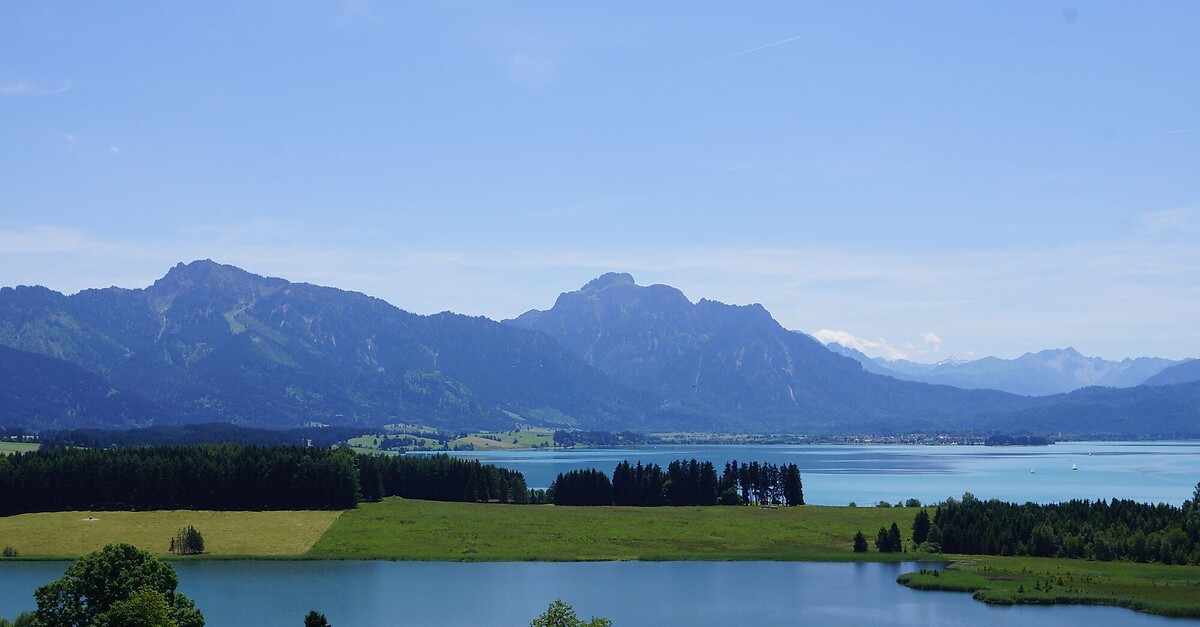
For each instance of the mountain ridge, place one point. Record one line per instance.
(212, 342)
(209, 342)
(1041, 373)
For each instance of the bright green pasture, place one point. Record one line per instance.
(72, 534)
(428, 530)
(8, 448)
(502, 440)
(371, 443)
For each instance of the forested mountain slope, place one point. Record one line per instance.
(735, 365)
(213, 342)
(209, 342)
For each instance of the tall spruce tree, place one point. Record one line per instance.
(894, 538)
(860, 543)
(920, 527)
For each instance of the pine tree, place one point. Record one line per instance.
(188, 541)
(882, 542)
(860, 543)
(920, 528)
(894, 539)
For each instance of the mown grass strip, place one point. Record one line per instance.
(8, 448)
(72, 534)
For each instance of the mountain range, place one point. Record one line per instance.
(210, 342)
(1033, 374)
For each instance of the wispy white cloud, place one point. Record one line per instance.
(44, 239)
(749, 51)
(879, 347)
(31, 89)
(531, 69)
(589, 207)
(352, 11)
(1133, 299)
(116, 150)
(71, 140)
(1179, 219)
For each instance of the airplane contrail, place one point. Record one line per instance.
(755, 49)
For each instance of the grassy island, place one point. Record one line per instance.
(1151, 588)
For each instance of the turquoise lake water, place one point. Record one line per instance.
(696, 594)
(838, 474)
(369, 594)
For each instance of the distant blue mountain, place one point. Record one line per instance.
(214, 343)
(1185, 372)
(1033, 374)
(211, 342)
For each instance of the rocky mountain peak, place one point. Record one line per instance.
(607, 279)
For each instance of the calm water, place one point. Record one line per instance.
(835, 475)
(366, 594)
(379, 594)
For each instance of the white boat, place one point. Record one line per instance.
(1074, 467)
(1033, 471)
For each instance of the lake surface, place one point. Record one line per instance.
(838, 474)
(387, 594)
(366, 594)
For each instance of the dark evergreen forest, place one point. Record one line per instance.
(683, 483)
(232, 477)
(1100, 530)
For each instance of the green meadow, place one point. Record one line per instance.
(400, 529)
(1153, 588)
(61, 535)
(7, 448)
(534, 437)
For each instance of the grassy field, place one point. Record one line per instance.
(536, 437)
(1169, 590)
(7, 448)
(68, 534)
(501, 440)
(398, 529)
(371, 443)
(426, 530)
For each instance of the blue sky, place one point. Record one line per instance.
(921, 180)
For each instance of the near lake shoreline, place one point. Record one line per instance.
(428, 531)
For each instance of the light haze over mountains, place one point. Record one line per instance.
(1051, 371)
(1004, 176)
(210, 342)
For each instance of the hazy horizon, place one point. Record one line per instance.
(961, 180)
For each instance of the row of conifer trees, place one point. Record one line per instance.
(232, 477)
(685, 482)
